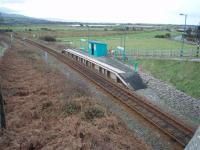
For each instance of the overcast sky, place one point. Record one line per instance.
(122, 11)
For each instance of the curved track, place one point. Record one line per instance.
(170, 125)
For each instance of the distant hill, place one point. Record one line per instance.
(8, 11)
(14, 19)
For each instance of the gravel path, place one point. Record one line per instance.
(171, 100)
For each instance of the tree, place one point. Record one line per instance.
(81, 25)
(127, 28)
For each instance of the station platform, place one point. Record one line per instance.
(131, 78)
(126, 75)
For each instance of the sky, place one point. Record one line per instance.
(116, 11)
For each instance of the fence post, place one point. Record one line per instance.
(136, 66)
(197, 54)
(191, 53)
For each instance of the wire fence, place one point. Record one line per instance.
(163, 53)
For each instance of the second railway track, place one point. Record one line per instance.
(168, 124)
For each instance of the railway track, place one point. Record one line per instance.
(168, 124)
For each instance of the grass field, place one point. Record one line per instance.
(136, 40)
(35, 27)
(143, 40)
(134, 43)
(182, 74)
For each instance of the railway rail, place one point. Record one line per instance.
(170, 125)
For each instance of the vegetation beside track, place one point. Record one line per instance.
(47, 110)
(184, 75)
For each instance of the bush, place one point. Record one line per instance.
(93, 112)
(167, 35)
(159, 36)
(77, 92)
(47, 105)
(5, 30)
(45, 29)
(71, 108)
(191, 37)
(48, 38)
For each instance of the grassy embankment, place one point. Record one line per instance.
(182, 74)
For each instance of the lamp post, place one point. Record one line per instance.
(124, 42)
(88, 32)
(185, 15)
(87, 35)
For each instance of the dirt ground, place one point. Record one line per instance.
(45, 110)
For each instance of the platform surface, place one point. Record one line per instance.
(194, 143)
(96, 61)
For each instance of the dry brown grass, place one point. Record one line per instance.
(36, 100)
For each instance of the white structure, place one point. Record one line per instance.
(103, 68)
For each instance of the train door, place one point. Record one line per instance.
(92, 47)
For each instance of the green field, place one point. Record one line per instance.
(135, 40)
(184, 75)
(18, 28)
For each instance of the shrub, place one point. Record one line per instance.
(77, 92)
(47, 105)
(167, 35)
(71, 108)
(48, 38)
(5, 30)
(93, 112)
(159, 36)
(45, 29)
